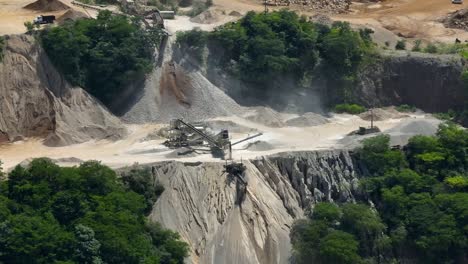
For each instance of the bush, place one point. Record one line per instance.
(103, 55)
(400, 45)
(193, 42)
(417, 45)
(431, 48)
(406, 108)
(353, 109)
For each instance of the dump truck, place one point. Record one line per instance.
(44, 20)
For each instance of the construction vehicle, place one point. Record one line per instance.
(367, 130)
(197, 138)
(44, 20)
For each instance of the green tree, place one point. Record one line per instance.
(339, 247)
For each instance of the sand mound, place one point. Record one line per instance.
(381, 114)
(235, 13)
(265, 116)
(306, 120)
(206, 17)
(260, 146)
(47, 6)
(71, 15)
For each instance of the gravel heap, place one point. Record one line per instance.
(71, 15)
(382, 114)
(207, 17)
(457, 19)
(307, 120)
(265, 116)
(260, 146)
(47, 6)
(202, 99)
(332, 6)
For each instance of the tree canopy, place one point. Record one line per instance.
(421, 206)
(266, 49)
(50, 214)
(102, 55)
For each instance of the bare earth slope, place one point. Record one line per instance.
(206, 207)
(37, 102)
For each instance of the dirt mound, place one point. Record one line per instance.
(38, 102)
(306, 120)
(207, 17)
(265, 116)
(382, 114)
(184, 93)
(260, 146)
(458, 19)
(71, 15)
(47, 6)
(235, 13)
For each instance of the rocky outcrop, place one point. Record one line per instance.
(223, 224)
(36, 101)
(428, 81)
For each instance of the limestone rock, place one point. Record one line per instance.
(201, 203)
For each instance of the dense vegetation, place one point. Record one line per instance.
(266, 49)
(421, 207)
(102, 55)
(349, 108)
(50, 214)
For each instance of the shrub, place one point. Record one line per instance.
(417, 45)
(193, 41)
(431, 48)
(401, 45)
(349, 108)
(406, 108)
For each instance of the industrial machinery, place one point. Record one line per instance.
(197, 138)
(367, 130)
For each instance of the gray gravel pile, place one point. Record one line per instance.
(307, 120)
(205, 100)
(260, 146)
(399, 135)
(265, 116)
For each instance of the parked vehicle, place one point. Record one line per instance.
(44, 20)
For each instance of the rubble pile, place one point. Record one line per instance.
(333, 6)
(457, 19)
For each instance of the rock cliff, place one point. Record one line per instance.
(223, 224)
(430, 82)
(36, 101)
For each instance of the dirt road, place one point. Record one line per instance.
(413, 19)
(135, 149)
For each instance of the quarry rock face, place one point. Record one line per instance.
(36, 101)
(427, 81)
(224, 224)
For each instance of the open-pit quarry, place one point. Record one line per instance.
(298, 158)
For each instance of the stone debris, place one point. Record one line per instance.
(457, 19)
